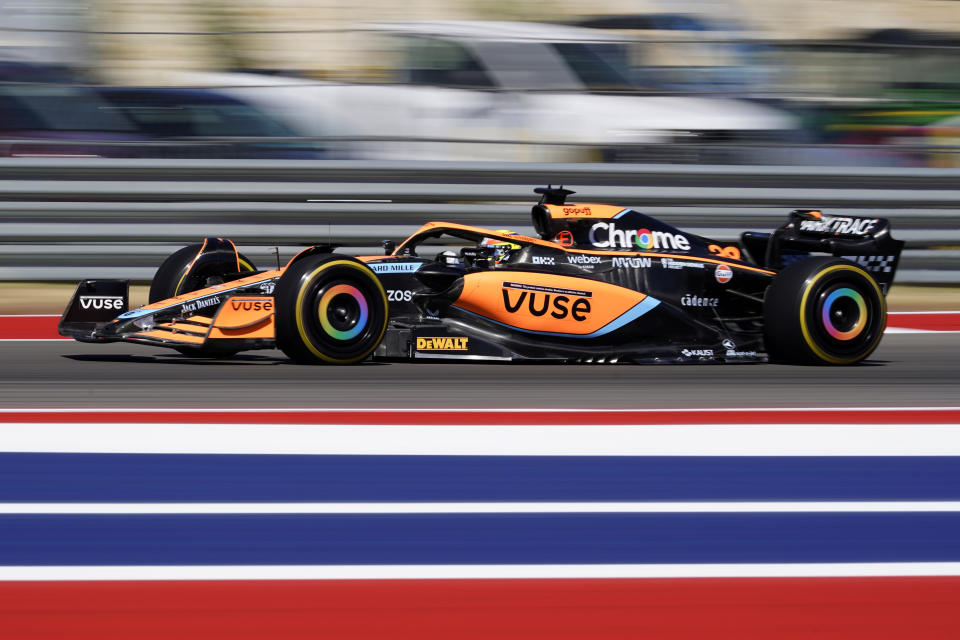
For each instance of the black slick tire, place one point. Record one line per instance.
(330, 309)
(823, 311)
(172, 279)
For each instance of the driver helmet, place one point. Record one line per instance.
(501, 248)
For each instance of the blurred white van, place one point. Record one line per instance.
(472, 90)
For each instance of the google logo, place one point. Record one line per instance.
(644, 239)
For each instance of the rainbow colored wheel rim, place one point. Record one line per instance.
(828, 304)
(323, 310)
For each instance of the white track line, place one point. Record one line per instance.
(463, 410)
(275, 508)
(512, 571)
(487, 440)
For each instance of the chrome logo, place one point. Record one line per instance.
(324, 309)
(644, 238)
(839, 294)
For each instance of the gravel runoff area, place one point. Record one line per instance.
(52, 298)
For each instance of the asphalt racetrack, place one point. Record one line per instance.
(906, 370)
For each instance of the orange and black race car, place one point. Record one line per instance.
(602, 283)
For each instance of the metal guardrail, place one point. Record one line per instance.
(63, 219)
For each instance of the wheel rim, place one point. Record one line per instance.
(843, 314)
(343, 311)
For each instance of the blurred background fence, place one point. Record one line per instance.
(61, 219)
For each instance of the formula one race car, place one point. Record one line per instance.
(602, 283)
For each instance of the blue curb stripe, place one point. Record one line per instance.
(479, 539)
(36, 477)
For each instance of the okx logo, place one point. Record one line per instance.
(538, 300)
(606, 234)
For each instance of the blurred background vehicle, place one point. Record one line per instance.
(691, 53)
(200, 123)
(509, 91)
(712, 81)
(60, 120)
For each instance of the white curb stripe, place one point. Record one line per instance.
(432, 572)
(337, 508)
(494, 440)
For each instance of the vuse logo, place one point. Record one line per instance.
(98, 303)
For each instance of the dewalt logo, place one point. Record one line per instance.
(442, 344)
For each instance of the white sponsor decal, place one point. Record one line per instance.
(394, 267)
(583, 259)
(605, 234)
(267, 288)
(697, 301)
(697, 352)
(101, 302)
(196, 305)
(670, 263)
(399, 295)
(840, 224)
(740, 354)
(633, 263)
(544, 260)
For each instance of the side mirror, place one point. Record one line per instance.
(389, 246)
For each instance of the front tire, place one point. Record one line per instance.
(174, 278)
(823, 311)
(330, 309)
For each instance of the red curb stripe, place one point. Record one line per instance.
(29, 327)
(849, 608)
(940, 321)
(498, 417)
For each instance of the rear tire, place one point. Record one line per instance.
(172, 280)
(823, 311)
(330, 309)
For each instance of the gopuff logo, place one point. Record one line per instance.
(605, 234)
(114, 303)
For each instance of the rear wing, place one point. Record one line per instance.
(865, 241)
